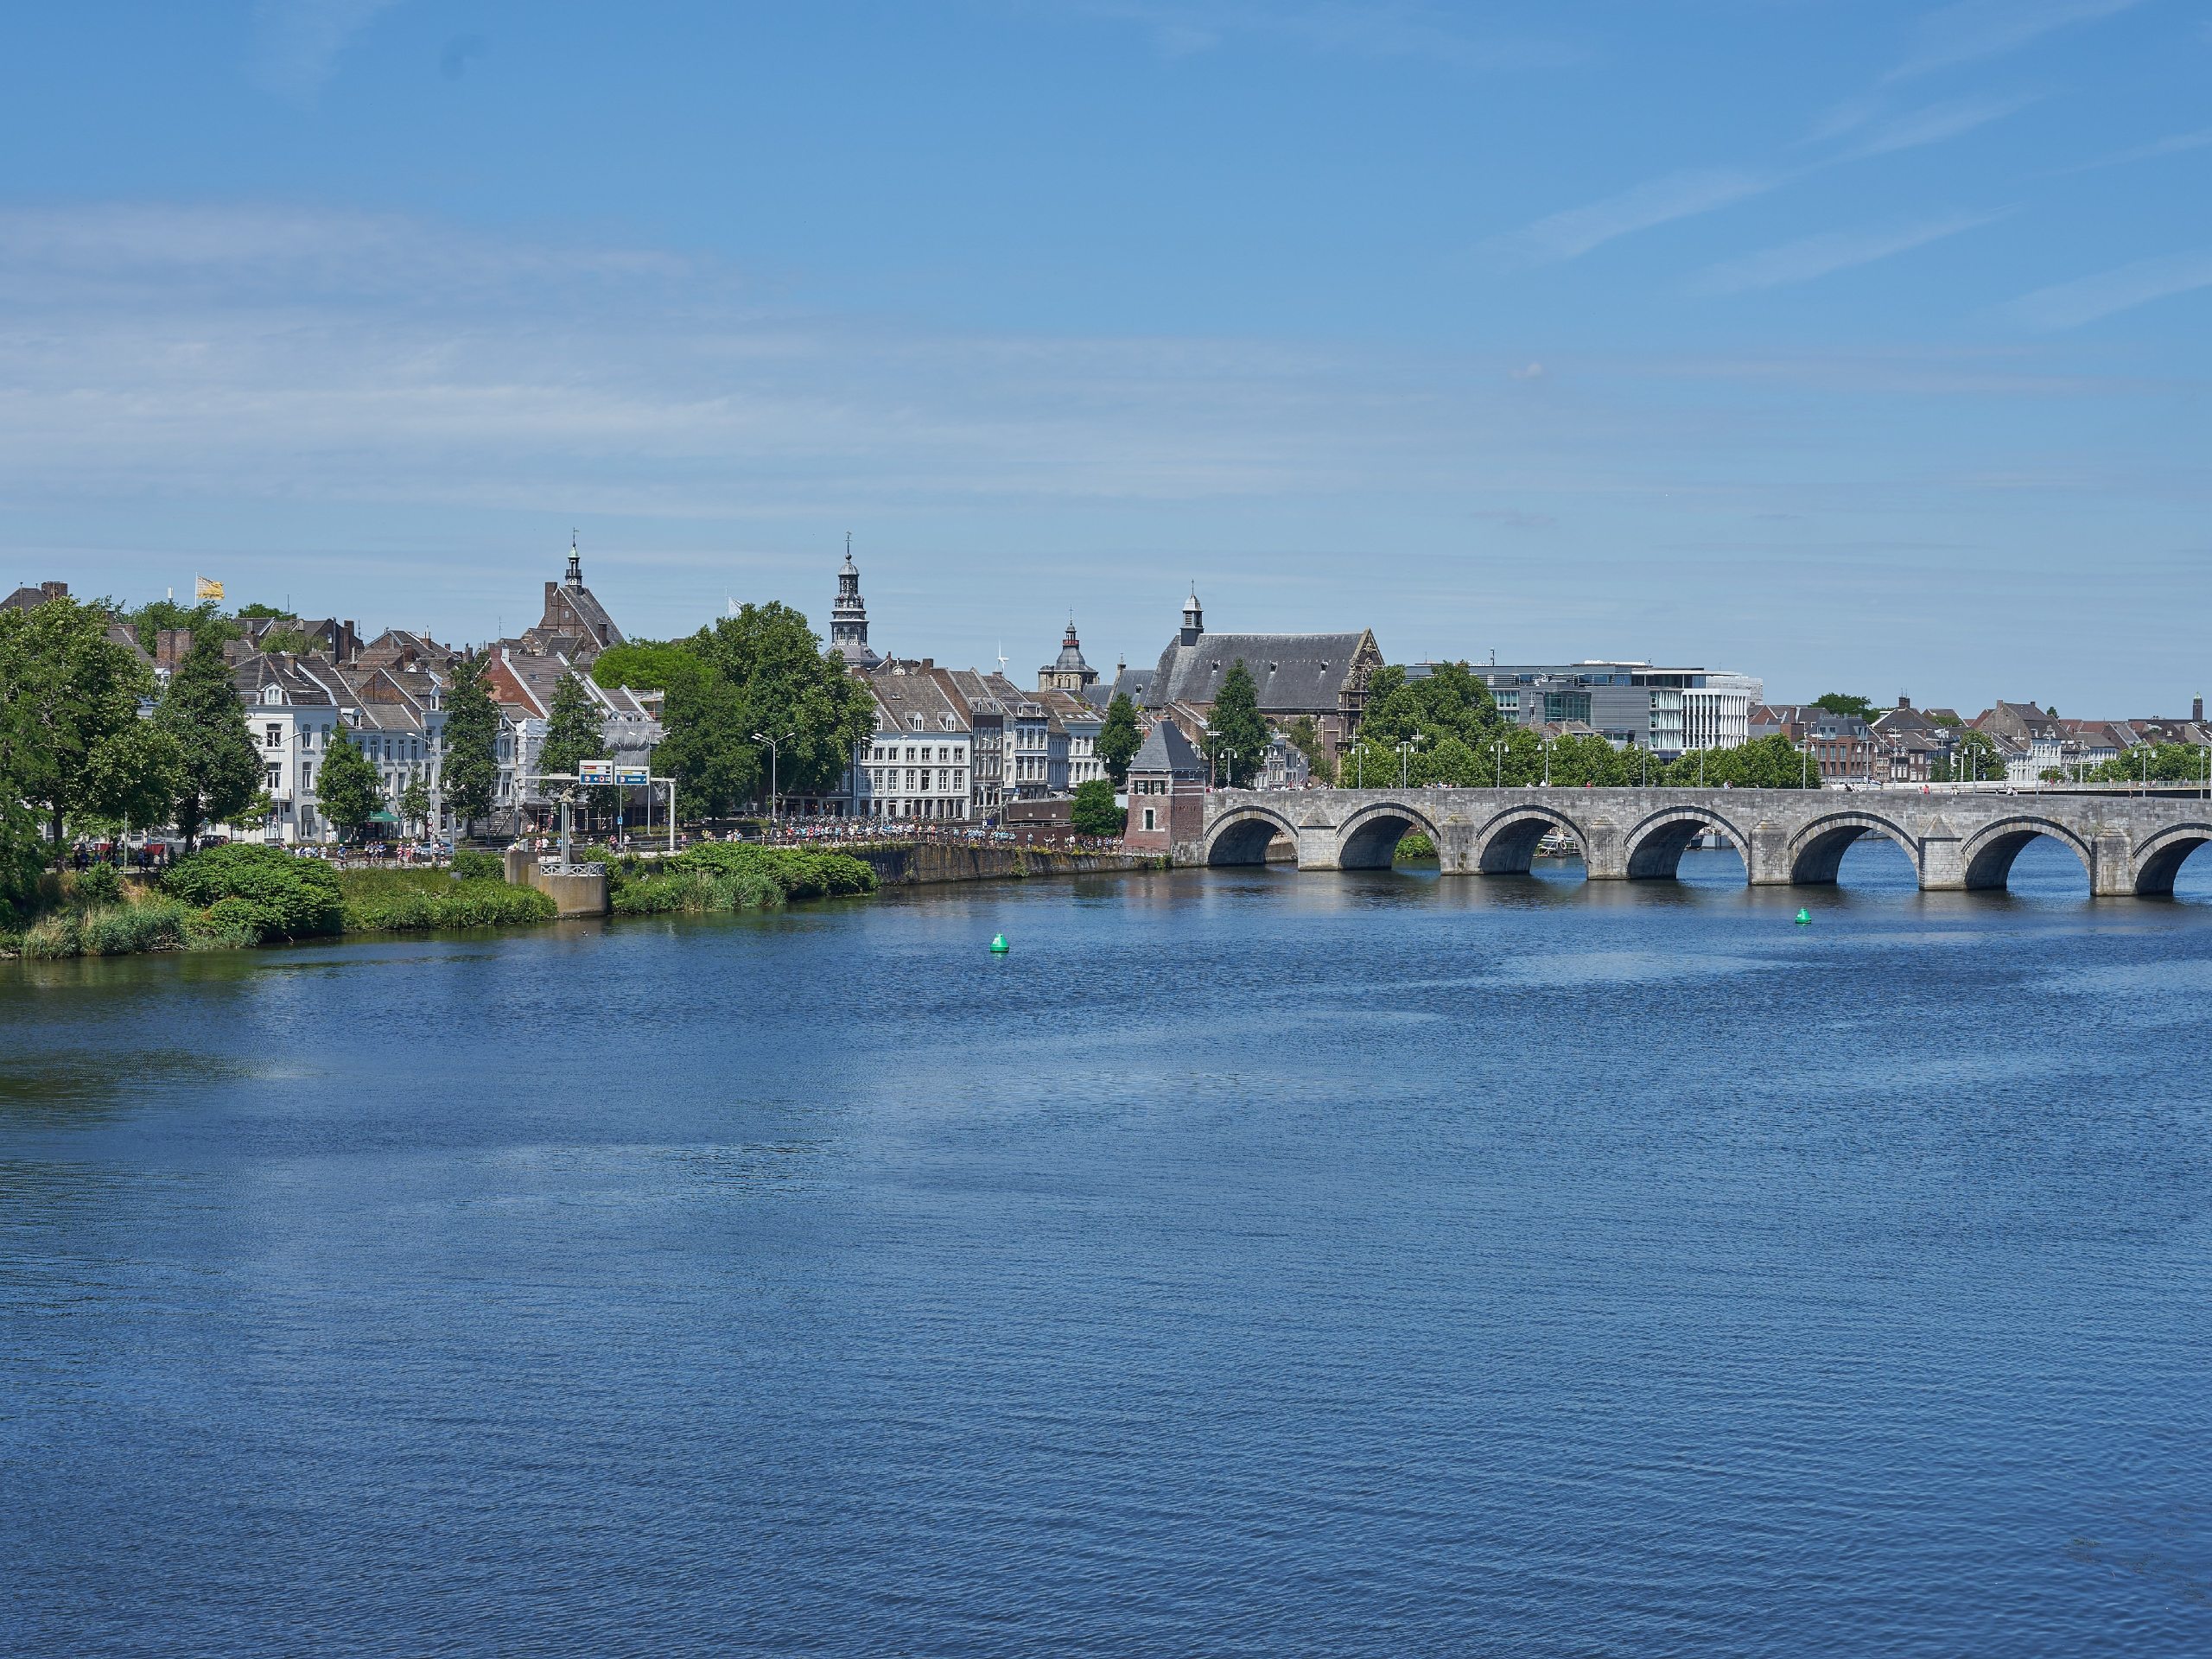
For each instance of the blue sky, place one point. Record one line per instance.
(1856, 344)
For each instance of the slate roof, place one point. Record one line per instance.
(904, 689)
(1293, 673)
(1166, 749)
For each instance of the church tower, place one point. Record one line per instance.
(1068, 671)
(1194, 619)
(848, 617)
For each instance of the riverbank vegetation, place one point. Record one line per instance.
(228, 897)
(728, 876)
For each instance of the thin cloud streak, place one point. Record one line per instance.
(1971, 31)
(1571, 234)
(297, 42)
(1815, 257)
(1934, 125)
(1376, 29)
(2088, 299)
(2179, 143)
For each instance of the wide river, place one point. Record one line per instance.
(1248, 1263)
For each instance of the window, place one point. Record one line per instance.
(274, 737)
(307, 775)
(1148, 821)
(275, 778)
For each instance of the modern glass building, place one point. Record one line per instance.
(1665, 710)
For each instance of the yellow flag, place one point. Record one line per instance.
(206, 588)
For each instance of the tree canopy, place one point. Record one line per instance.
(1237, 738)
(1092, 812)
(219, 769)
(573, 731)
(347, 787)
(1119, 738)
(469, 775)
(762, 670)
(1974, 758)
(1842, 702)
(1763, 762)
(70, 741)
(203, 618)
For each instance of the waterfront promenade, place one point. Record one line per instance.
(2130, 844)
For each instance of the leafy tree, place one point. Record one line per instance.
(1450, 700)
(246, 612)
(414, 801)
(786, 682)
(1306, 737)
(649, 666)
(203, 618)
(1093, 812)
(219, 769)
(1120, 738)
(573, 731)
(1974, 758)
(1840, 702)
(70, 741)
(469, 774)
(1763, 762)
(2159, 763)
(708, 747)
(1237, 738)
(296, 642)
(347, 787)
(1580, 759)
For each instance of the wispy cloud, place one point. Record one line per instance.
(2179, 143)
(2086, 299)
(1971, 31)
(297, 42)
(1933, 124)
(1571, 234)
(1813, 256)
(1379, 28)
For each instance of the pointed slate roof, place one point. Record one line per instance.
(1166, 749)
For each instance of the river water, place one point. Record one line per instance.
(1248, 1263)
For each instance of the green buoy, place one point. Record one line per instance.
(998, 944)
(1804, 918)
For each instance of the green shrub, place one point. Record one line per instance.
(58, 935)
(472, 864)
(1092, 812)
(100, 884)
(145, 922)
(1415, 845)
(726, 875)
(415, 901)
(290, 897)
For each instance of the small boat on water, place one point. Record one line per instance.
(1557, 843)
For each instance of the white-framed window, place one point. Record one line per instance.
(1149, 822)
(272, 737)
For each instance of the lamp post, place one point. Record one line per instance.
(774, 756)
(1406, 758)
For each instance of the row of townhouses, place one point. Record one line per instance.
(1905, 745)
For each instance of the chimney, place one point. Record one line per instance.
(2196, 708)
(1903, 702)
(54, 589)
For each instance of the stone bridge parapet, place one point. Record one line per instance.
(2130, 844)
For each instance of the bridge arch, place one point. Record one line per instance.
(1817, 851)
(1988, 852)
(1242, 835)
(1506, 844)
(1655, 846)
(2159, 858)
(1368, 839)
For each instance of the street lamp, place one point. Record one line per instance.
(1405, 757)
(774, 756)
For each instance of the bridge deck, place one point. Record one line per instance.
(2129, 843)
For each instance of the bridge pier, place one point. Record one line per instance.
(1767, 862)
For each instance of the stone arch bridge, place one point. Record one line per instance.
(2128, 844)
